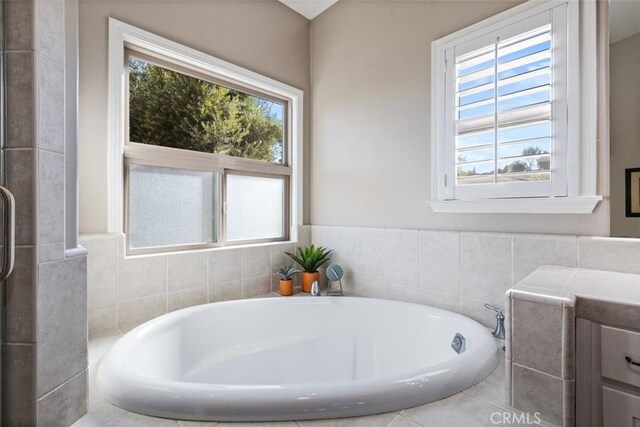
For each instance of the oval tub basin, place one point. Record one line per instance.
(294, 359)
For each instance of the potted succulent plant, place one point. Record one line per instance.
(310, 259)
(286, 279)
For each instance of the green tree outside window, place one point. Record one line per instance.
(175, 110)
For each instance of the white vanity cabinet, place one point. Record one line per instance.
(607, 375)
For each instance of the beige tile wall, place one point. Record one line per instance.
(458, 271)
(124, 292)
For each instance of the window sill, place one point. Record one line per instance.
(160, 251)
(551, 205)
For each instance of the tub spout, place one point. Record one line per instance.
(498, 332)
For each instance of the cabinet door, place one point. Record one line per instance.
(617, 346)
(620, 409)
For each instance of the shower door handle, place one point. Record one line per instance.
(9, 229)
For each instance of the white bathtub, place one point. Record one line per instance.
(293, 359)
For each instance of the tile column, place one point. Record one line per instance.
(44, 343)
(540, 357)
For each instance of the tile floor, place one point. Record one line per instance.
(472, 407)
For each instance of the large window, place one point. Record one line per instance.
(206, 161)
(506, 107)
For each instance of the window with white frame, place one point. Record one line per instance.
(207, 153)
(506, 106)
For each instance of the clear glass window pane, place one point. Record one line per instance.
(475, 139)
(475, 173)
(528, 131)
(177, 110)
(255, 207)
(477, 155)
(169, 207)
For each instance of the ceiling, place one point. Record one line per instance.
(625, 19)
(309, 8)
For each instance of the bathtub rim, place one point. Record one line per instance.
(486, 355)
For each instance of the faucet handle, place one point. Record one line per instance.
(498, 311)
(499, 331)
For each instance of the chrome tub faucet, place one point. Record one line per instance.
(498, 332)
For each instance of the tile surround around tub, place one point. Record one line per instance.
(186, 271)
(458, 271)
(62, 322)
(101, 267)
(225, 267)
(610, 254)
(127, 291)
(531, 251)
(369, 251)
(541, 391)
(256, 262)
(188, 298)
(401, 257)
(485, 265)
(439, 261)
(461, 271)
(537, 336)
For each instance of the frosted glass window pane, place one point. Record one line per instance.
(255, 207)
(171, 206)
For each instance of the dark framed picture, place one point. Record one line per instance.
(632, 185)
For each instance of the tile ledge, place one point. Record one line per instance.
(580, 287)
(547, 205)
(78, 251)
(541, 297)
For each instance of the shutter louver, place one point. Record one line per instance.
(503, 110)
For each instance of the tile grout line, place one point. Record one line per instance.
(166, 284)
(116, 255)
(207, 278)
(537, 371)
(390, 424)
(511, 255)
(242, 252)
(459, 233)
(488, 402)
(418, 259)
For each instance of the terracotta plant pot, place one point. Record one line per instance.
(307, 280)
(286, 287)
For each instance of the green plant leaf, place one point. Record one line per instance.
(288, 271)
(311, 258)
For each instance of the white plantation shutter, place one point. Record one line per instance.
(506, 110)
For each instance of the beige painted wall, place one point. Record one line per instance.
(263, 36)
(371, 124)
(625, 129)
